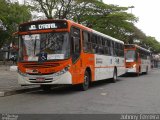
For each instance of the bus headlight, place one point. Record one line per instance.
(23, 74)
(134, 65)
(62, 71)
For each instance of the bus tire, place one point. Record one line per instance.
(138, 73)
(85, 85)
(46, 88)
(114, 78)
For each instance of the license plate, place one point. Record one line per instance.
(40, 79)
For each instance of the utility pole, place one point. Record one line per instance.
(24, 2)
(131, 8)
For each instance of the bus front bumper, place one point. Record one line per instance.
(65, 78)
(131, 70)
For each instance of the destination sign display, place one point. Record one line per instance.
(42, 26)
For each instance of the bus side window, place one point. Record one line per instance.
(94, 45)
(87, 46)
(104, 43)
(75, 39)
(116, 49)
(111, 48)
(121, 50)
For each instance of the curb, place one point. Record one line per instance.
(17, 91)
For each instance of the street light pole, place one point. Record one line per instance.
(131, 8)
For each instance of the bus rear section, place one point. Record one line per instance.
(137, 59)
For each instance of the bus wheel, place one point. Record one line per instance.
(138, 73)
(46, 88)
(114, 79)
(85, 85)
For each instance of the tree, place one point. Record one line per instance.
(92, 13)
(137, 35)
(108, 19)
(152, 44)
(11, 14)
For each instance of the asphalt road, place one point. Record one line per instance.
(128, 95)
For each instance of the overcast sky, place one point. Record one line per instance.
(148, 12)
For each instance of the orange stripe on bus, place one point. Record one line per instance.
(109, 66)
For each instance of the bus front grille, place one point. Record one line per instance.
(36, 66)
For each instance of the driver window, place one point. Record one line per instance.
(75, 37)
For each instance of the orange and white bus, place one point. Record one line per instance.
(54, 52)
(138, 59)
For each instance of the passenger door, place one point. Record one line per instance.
(76, 51)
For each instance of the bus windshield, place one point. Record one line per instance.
(130, 55)
(54, 45)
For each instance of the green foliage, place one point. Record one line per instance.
(152, 43)
(11, 14)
